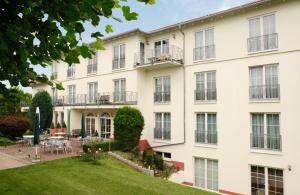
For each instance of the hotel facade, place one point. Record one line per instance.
(220, 95)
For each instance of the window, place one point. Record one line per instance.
(92, 64)
(167, 155)
(266, 181)
(204, 44)
(162, 89)
(120, 90)
(71, 71)
(206, 86)
(71, 94)
(206, 173)
(161, 48)
(92, 92)
(264, 82)
(262, 33)
(162, 128)
(119, 56)
(206, 131)
(265, 131)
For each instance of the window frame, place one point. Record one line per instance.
(93, 62)
(163, 97)
(119, 57)
(162, 124)
(213, 56)
(206, 100)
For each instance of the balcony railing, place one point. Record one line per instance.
(265, 141)
(264, 92)
(118, 63)
(162, 96)
(206, 94)
(163, 134)
(206, 52)
(206, 137)
(91, 68)
(105, 98)
(264, 42)
(170, 53)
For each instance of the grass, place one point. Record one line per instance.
(5, 141)
(72, 176)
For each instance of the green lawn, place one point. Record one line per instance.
(72, 176)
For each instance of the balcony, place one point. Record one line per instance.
(166, 56)
(105, 98)
(163, 134)
(203, 53)
(263, 43)
(265, 141)
(264, 92)
(206, 95)
(206, 137)
(160, 97)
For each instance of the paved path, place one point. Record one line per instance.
(7, 161)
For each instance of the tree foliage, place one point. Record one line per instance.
(42, 100)
(11, 103)
(14, 126)
(40, 32)
(128, 126)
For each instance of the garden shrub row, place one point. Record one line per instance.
(4, 141)
(14, 126)
(103, 145)
(153, 160)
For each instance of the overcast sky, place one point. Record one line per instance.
(164, 12)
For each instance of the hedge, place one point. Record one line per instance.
(103, 145)
(14, 126)
(5, 141)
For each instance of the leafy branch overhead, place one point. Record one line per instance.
(40, 32)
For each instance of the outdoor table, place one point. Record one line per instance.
(60, 134)
(56, 137)
(28, 139)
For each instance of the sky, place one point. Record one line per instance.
(163, 13)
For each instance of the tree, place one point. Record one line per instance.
(42, 100)
(128, 126)
(40, 32)
(10, 105)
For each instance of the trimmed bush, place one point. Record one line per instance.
(128, 126)
(42, 100)
(14, 126)
(4, 141)
(103, 145)
(58, 125)
(63, 125)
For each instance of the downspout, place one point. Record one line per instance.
(184, 90)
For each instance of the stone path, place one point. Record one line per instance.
(7, 161)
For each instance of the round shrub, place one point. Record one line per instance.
(128, 126)
(42, 100)
(14, 126)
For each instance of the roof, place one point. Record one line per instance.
(182, 24)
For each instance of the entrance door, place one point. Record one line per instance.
(105, 124)
(90, 126)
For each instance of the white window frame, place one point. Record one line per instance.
(264, 97)
(162, 50)
(71, 68)
(265, 128)
(205, 46)
(119, 57)
(162, 122)
(260, 17)
(92, 64)
(162, 80)
(206, 127)
(120, 94)
(93, 98)
(206, 86)
(72, 94)
(205, 173)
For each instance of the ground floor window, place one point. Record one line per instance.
(206, 173)
(266, 181)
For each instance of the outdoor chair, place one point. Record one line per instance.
(68, 146)
(20, 141)
(59, 147)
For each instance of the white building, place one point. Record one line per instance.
(219, 94)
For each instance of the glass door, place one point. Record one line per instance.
(90, 125)
(105, 124)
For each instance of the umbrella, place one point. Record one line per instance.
(82, 126)
(36, 126)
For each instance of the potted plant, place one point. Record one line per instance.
(58, 127)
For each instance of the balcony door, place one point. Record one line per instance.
(93, 90)
(106, 126)
(161, 48)
(90, 125)
(119, 90)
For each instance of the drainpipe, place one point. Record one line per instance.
(184, 90)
